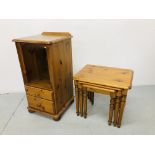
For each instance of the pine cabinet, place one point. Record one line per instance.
(46, 65)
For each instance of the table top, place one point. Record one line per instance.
(106, 76)
(45, 38)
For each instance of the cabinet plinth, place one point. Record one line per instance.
(46, 65)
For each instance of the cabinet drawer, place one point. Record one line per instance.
(40, 93)
(41, 104)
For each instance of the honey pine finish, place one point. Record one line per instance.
(114, 82)
(46, 64)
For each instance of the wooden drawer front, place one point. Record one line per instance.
(41, 93)
(40, 104)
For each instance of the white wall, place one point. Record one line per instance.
(119, 43)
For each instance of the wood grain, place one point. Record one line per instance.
(40, 104)
(40, 93)
(108, 76)
(45, 38)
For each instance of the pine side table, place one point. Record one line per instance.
(106, 80)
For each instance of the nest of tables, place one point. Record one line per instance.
(114, 82)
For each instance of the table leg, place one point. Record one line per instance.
(88, 95)
(111, 108)
(92, 97)
(116, 110)
(123, 101)
(85, 102)
(81, 101)
(77, 99)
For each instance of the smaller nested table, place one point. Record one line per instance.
(106, 80)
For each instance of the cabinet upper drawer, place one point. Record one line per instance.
(41, 93)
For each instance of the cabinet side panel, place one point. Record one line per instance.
(57, 75)
(62, 67)
(21, 61)
(51, 66)
(69, 69)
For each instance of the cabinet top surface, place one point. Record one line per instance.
(45, 38)
(106, 76)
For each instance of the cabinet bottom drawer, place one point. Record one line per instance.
(40, 104)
